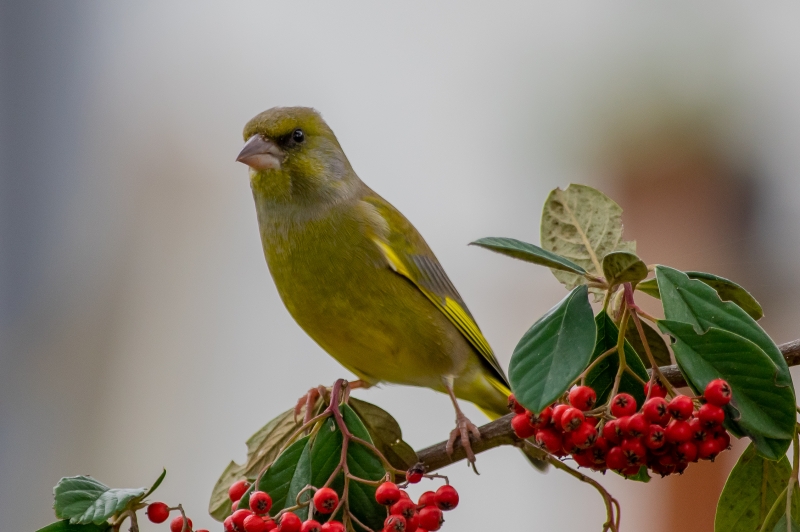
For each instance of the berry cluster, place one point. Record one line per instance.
(158, 512)
(665, 436)
(407, 516)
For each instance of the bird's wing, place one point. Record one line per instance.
(409, 255)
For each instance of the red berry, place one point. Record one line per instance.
(514, 406)
(522, 427)
(656, 411)
(637, 425)
(394, 523)
(176, 525)
(260, 502)
(157, 512)
(326, 500)
(623, 404)
(725, 439)
(632, 470)
(681, 407)
(271, 524)
(255, 523)
(427, 499)
(655, 438)
(686, 452)
(583, 459)
(584, 436)
(290, 523)
(599, 450)
(634, 451)
(228, 524)
(657, 390)
(431, 518)
(387, 494)
(415, 474)
(549, 440)
(333, 526)
(202, 530)
(709, 449)
(446, 497)
(582, 398)
(542, 419)
(718, 392)
(615, 458)
(412, 523)
(612, 432)
(698, 432)
(571, 419)
(238, 489)
(678, 431)
(238, 518)
(404, 507)
(711, 415)
(311, 526)
(558, 411)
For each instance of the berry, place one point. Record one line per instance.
(431, 518)
(623, 404)
(271, 524)
(582, 398)
(260, 502)
(228, 524)
(514, 406)
(686, 452)
(567, 445)
(311, 526)
(157, 512)
(238, 489)
(394, 523)
(637, 425)
(332, 526)
(657, 390)
(387, 494)
(631, 470)
(290, 523)
(654, 438)
(571, 419)
(718, 392)
(681, 407)
(698, 432)
(709, 449)
(412, 523)
(549, 440)
(176, 525)
(237, 518)
(404, 507)
(427, 499)
(615, 458)
(678, 431)
(542, 419)
(584, 436)
(415, 474)
(599, 450)
(656, 411)
(558, 411)
(446, 497)
(634, 451)
(583, 459)
(724, 438)
(255, 523)
(326, 500)
(612, 432)
(522, 427)
(711, 415)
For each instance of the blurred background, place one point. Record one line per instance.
(137, 315)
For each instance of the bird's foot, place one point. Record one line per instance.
(464, 428)
(308, 401)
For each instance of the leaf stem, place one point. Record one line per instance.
(623, 363)
(594, 363)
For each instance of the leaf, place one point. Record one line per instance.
(583, 225)
(658, 347)
(758, 406)
(750, 491)
(219, 507)
(697, 304)
(780, 526)
(623, 267)
(553, 352)
(385, 433)
(601, 378)
(156, 484)
(641, 476)
(84, 500)
(529, 253)
(726, 289)
(66, 526)
(284, 479)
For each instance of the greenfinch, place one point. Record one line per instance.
(357, 276)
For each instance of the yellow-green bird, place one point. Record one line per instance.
(357, 276)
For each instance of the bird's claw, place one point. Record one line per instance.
(464, 428)
(308, 401)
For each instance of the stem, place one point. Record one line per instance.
(595, 362)
(623, 363)
(772, 510)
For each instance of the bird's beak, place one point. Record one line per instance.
(261, 154)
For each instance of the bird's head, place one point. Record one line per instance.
(294, 158)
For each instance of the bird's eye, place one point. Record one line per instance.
(298, 136)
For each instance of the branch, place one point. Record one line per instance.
(499, 431)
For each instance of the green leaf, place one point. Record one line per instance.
(529, 253)
(697, 304)
(66, 526)
(601, 378)
(553, 352)
(780, 526)
(750, 491)
(582, 225)
(658, 347)
(156, 484)
(286, 477)
(758, 406)
(726, 289)
(641, 476)
(84, 500)
(385, 433)
(623, 267)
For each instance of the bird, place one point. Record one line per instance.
(357, 276)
